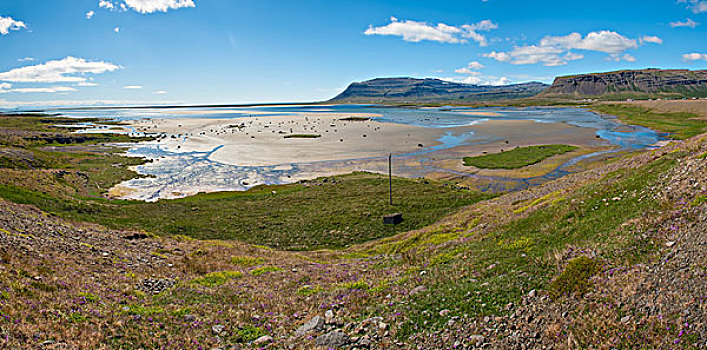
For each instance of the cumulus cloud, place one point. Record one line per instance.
(45, 89)
(7, 24)
(472, 66)
(67, 70)
(150, 6)
(557, 50)
(106, 4)
(480, 79)
(90, 14)
(695, 56)
(697, 6)
(413, 31)
(146, 6)
(472, 76)
(116, 30)
(132, 87)
(686, 23)
(651, 39)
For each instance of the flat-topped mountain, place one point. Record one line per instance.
(631, 83)
(400, 90)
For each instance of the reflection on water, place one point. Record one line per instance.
(180, 174)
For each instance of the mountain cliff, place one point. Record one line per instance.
(631, 83)
(401, 90)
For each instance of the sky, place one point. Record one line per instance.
(134, 52)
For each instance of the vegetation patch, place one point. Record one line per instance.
(215, 279)
(265, 269)
(574, 280)
(303, 136)
(518, 157)
(246, 261)
(309, 290)
(248, 333)
(355, 119)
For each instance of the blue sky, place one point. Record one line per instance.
(239, 51)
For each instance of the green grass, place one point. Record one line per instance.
(575, 278)
(215, 279)
(246, 261)
(265, 269)
(680, 126)
(302, 136)
(518, 157)
(297, 217)
(500, 267)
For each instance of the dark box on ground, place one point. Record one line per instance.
(393, 219)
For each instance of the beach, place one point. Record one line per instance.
(286, 139)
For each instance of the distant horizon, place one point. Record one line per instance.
(166, 105)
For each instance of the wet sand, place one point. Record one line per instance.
(262, 141)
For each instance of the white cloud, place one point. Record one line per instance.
(651, 39)
(132, 87)
(86, 83)
(7, 24)
(25, 59)
(45, 89)
(697, 6)
(476, 78)
(695, 56)
(628, 58)
(116, 30)
(5, 87)
(687, 23)
(106, 4)
(472, 66)
(161, 92)
(556, 50)
(150, 6)
(69, 69)
(90, 14)
(57, 103)
(413, 31)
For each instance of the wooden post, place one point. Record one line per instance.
(390, 176)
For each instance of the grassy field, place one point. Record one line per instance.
(518, 157)
(342, 211)
(680, 125)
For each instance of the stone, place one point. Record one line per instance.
(263, 340)
(315, 323)
(328, 317)
(477, 339)
(533, 293)
(333, 339)
(218, 329)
